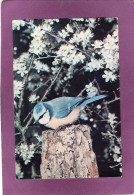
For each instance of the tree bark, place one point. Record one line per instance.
(68, 154)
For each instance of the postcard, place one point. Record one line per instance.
(67, 98)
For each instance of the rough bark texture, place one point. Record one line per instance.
(68, 154)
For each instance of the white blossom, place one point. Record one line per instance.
(109, 19)
(69, 55)
(91, 90)
(54, 70)
(65, 50)
(37, 32)
(39, 138)
(94, 65)
(98, 106)
(22, 71)
(17, 64)
(91, 119)
(83, 37)
(37, 46)
(56, 61)
(26, 152)
(69, 28)
(39, 66)
(19, 173)
(116, 34)
(18, 86)
(20, 62)
(50, 21)
(119, 159)
(109, 76)
(98, 44)
(112, 119)
(33, 98)
(63, 33)
(70, 72)
(110, 52)
(16, 24)
(83, 115)
(46, 27)
(94, 125)
(78, 19)
(120, 170)
(91, 22)
(117, 150)
(115, 157)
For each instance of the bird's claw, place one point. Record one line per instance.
(58, 129)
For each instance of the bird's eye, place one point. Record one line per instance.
(40, 118)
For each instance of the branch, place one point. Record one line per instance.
(109, 102)
(47, 91)
(41, 86)
(119, 164)
(81, 92)
(40, 58)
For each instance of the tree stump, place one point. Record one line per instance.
(68, 154)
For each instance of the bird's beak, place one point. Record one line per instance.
(35, 122)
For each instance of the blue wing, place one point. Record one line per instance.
(93, 99)
(64, 105)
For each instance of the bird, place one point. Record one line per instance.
(62, 111)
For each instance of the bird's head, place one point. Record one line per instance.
(41, 114)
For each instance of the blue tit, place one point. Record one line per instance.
(61, 111)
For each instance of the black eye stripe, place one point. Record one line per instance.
(41, 116)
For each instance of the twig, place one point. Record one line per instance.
(40, 58)
(119, 164)
(41, 86)
(109, 102)
(81, 92)
(117, 124)
(47, 91)
(28, 123)
(98, 87)
(28, 115)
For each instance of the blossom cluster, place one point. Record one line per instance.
(69, 55)
(109, 57)
(91, 90)
(112, 119)
(26, 152)
(18, 86)
(16, 24)
(19, 172)
(19, 65)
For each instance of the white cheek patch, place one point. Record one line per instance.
(45, 119)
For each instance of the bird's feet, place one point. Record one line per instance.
(58, 129)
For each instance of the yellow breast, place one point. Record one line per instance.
(55, 123)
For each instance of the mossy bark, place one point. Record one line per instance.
(68, 154)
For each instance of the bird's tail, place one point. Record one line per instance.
(93, 99)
